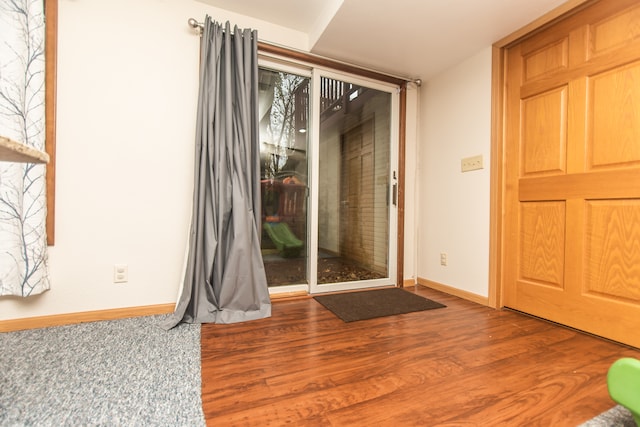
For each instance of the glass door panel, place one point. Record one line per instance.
(284, 113)
(355, 206)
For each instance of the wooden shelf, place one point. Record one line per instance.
(12, 151)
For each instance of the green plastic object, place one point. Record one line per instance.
(623, 382)
(281, 235)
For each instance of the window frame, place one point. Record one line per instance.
(275, 52)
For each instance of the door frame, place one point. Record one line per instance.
(282, 58)
(497, 245)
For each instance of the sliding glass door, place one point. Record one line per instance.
(284, 119)
(355, 146)
(328, 145)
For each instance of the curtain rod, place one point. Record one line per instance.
(199, 26)
(195, 24)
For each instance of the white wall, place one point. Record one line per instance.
(127, 94)
(410, 185)
(453, 207)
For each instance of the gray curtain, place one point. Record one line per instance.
(225, 281)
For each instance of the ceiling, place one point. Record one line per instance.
(409, 38)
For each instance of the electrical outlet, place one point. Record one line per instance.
(120, 273)
(471, 163)
(443, 259)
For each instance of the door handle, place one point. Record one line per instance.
(394, 194)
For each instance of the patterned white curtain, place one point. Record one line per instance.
(23, 240)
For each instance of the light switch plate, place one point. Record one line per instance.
(471, 163)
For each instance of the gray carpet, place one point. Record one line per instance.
(126, 372)
(617, 416)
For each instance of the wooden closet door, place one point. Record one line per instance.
(357, 190)
(572, 172)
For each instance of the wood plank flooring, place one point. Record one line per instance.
(464, 365)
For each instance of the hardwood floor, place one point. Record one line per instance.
(464, 365)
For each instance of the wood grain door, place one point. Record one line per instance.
(357, 195)
(572, 172)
